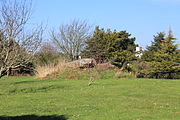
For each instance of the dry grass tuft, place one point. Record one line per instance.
(121, 74)
(52, 69)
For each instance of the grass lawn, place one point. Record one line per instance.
(26, 98)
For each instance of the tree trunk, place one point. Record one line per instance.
(2, 72)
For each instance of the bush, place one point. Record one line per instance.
(157, 70)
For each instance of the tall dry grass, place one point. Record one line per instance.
(43, 71)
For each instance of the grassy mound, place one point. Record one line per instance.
(107, 98)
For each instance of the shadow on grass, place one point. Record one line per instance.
(21, 82)
(34, 117)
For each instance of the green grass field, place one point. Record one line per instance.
(26, 98)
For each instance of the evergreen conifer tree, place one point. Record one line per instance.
(163, 56)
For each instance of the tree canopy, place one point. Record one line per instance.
(162, 56)
(107, 45)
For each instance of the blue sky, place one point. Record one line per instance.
(141, 18)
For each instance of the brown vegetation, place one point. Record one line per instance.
(43, 71)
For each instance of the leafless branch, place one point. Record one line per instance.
(71, 38)
(17, 45)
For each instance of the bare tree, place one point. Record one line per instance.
(17, 44)
(70, 39)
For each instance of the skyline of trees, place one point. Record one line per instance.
(19, 45)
